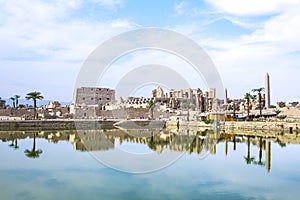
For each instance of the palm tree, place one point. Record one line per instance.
(277, 112)
(13, 100)
(17, 100)
(151, 105)
(34, 96)
(33, 153)
(248, 97)
(2, 102)
(281, 104)
(259, 90)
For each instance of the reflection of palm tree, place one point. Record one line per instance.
(281, 144)
(33, 153)
(260, 154)
(151, 143)
(14, 144)
(260, 149)
(248, 159)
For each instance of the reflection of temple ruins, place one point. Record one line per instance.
(183, 140)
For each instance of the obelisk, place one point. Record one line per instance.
(267, 89)
(225, 96)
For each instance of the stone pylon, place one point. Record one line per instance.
(267, 89)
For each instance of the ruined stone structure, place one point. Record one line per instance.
(158, 93)
(87, 100)
(54, 109)
(136, 102)
(93, 96)
(90, 102)
(193, 99)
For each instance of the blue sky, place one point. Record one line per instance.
(44, 43)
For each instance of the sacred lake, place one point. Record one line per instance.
(114, 164)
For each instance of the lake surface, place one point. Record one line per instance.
(142, 164)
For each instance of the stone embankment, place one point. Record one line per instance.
(287, 127)
(265, 126)
(173, 124)
(55, 124)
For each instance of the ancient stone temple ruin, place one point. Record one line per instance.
(193, 99)
(87, 100)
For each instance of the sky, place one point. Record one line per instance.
(45, 43)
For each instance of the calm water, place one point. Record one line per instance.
(58, 165)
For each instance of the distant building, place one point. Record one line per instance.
(54, 109)
(93, 96)
(86, 100)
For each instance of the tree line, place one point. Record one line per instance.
(34, 96)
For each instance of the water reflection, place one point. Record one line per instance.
(188, 141)
(33, 153)
(14, 144)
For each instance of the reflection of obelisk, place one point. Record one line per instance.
(268, 155)
(267, 88)
(225, 147)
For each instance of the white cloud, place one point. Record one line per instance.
(283, 29)
(252, 7)
(120, 23)
(50, 36)
(36, 28)
(178, 8)
(43, 39)
(272, 46)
